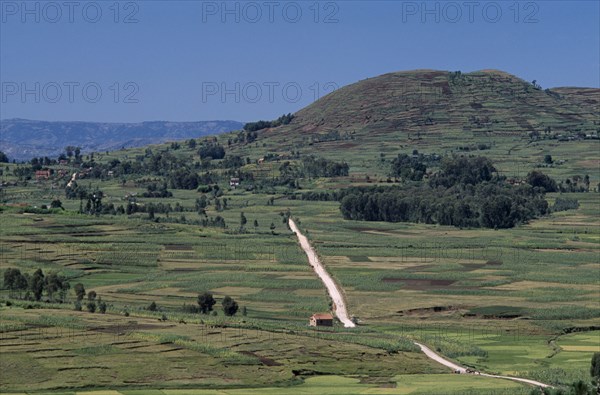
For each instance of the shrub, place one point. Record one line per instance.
(565, 203)
(230, 306)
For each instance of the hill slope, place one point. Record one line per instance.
(430, 103)
(23, 139)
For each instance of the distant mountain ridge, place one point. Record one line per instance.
(22, 139)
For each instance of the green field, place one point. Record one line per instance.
(520, 301)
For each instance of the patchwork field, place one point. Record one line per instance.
(521, 301)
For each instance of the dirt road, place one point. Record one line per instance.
(338, 301)
(457, 368)
(342, 313)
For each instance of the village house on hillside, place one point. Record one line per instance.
(234, 182)
(42, 174)
(323, 319)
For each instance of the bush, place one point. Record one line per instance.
(91, 306)
(565, 203)
(230, 306)
(152, 306)
(595, 368)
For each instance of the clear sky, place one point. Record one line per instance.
(133, 61)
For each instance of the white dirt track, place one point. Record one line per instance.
(342, 313)
(338, 301)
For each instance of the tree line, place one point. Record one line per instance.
(259, 125)
(466, 192)
(206, 302)
(34, 286)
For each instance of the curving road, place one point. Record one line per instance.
(342, 313)
(457, 368)
(339, 306)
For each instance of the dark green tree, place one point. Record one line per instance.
(101, 306)
(79, 291)
(54, 283)
(541, 180)
(230, 306)
(56, 203)
(206, 302)
(595, 368)
(243, 220)
(36, 284)
(14, 280)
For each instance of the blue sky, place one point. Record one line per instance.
(205, 60)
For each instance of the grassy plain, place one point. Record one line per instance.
(502, 301)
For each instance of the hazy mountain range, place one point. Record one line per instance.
(23, 139)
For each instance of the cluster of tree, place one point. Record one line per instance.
(39, 163)
(540, 180)
(474, 147)
(408, 168)
(201, 204)
(318, 196)
(23, 172)
(466, 192)
(234, 162)
(156, 191)
(244, 137)
(484, 205)
(177, 172)
(34, 286)
(94, 302)
(76, 191)
(206, 302)
(282, 120)
(184, 178)
(463, 170)
(564, 204)
(71, 151)
(211, 150)
(3, 157)
(574, 184)
(93, 205)
(321, 167)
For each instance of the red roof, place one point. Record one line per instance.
(322, 316)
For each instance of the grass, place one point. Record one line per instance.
(336, 385)
(497, 300)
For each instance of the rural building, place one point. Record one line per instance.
(321, 320)
(42, 174)
(234, 182)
